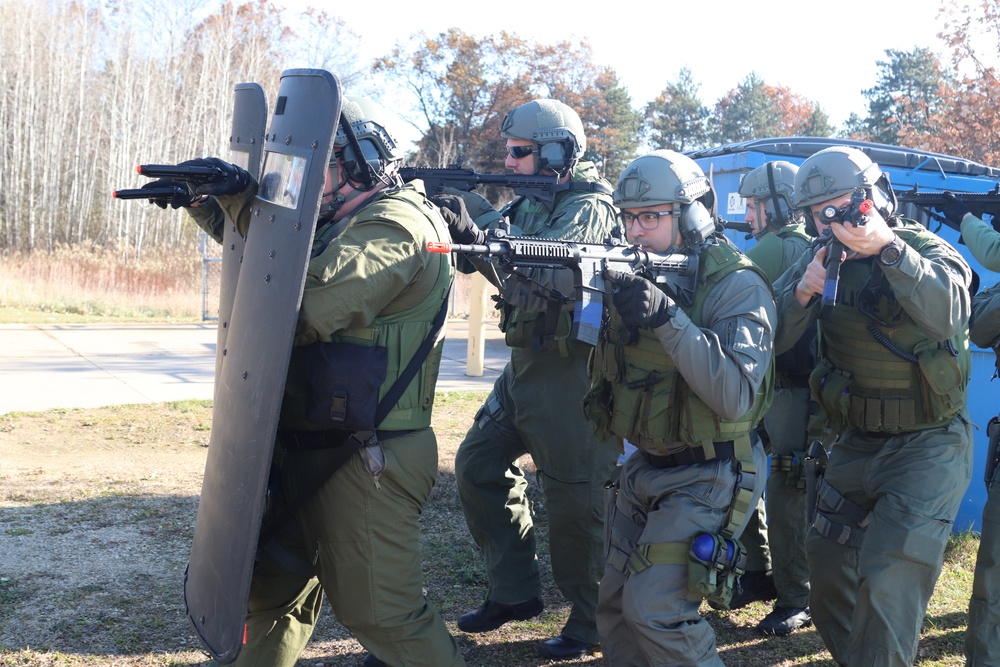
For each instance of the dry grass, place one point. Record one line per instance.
(97, 510)
(90, 284)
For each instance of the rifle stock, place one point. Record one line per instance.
(588, 261)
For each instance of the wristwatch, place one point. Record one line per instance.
(891, 253)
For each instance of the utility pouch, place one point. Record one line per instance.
(943, 377)
(597, 408)
(344, 381)
(715, 562)
(832, 389)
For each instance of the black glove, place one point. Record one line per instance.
(460, 225)
(953, 209)
(183, 198)
(639, 302)
(233, 181)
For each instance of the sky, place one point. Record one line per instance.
(827, 53)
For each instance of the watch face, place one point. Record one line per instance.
(890, 254)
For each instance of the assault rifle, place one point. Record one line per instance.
(855, 213)
(194, 174)
(980, 203)
(678, 272)
(538, 188)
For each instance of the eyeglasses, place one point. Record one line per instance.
(518, 152)
(647, 219)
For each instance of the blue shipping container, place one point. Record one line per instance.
(907, 168)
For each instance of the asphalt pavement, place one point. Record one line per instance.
(46, 366)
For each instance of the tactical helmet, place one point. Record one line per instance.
(836, 171)
(775, 183)
(668, 177)
(554, 129)
(372, 125)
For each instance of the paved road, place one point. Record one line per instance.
(45, 366)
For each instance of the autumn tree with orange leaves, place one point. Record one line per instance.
(755, 110)
(968, 125)
(463, 86)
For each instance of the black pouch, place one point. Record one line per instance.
(344, 381)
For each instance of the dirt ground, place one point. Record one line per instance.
(96, 522)
(97, 513)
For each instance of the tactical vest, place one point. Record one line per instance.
(402, 333)
(878, 372)
(645, 399)
(530, 218)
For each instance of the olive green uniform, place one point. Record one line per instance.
(982, 639)
(688, 395)
(534, 409)
(904, 456)
(358, 538)
(778, 535)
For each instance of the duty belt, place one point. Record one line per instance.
(692, 455)
(303, 440)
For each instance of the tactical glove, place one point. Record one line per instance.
(638, 301)
(954, 209)
(232, 181)
(183, 198)
(460, 225)
(480, 210)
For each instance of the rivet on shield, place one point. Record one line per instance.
(288, 140)
(224, 350)
(271, 254)
(314, 144)
(271, 218)
(256, 211)
(245, 375)
(237, 139)
(232, 246)
(202, 620)
(267, 278)
(297, 226)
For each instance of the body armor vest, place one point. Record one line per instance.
(647, 400)
(879, 372)
(401, 333)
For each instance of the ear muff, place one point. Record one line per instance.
(362, 171)
(695, 223)
(556, 155)
(776, 211)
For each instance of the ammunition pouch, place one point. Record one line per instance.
(793, 466)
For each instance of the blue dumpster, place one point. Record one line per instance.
(907, 168)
